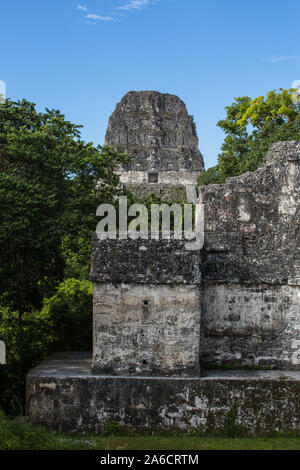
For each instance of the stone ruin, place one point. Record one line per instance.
(169, 323)
(242, 287)
(160, 138)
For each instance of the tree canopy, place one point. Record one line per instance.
(251, 127)
(50, 185)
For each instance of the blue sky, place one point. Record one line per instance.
(82, 57)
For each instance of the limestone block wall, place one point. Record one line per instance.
(147, 308)
(167, 192)
(63, 395)
(256, 325)
(159, 136)
(252, 223)
(242, 290)
(250, 265)
(160, 177)
(146, 329)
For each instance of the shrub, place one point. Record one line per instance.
(19, 435)
(63, 324)
(69, 314)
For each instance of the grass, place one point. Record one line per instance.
(195, 443)
(15, 434)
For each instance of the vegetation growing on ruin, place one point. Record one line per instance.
(251, 127)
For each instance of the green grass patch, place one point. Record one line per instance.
(186, 442)
(15, 434)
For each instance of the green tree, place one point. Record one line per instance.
(63, 324)
(36, 346)
(51, 183)
(70, 309)
(251, 127)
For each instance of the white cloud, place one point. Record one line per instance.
(100, 18)
(130, 5)
(284, 58)
(134, 5)
(81, 7)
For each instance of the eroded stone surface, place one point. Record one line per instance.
(146, 307)
(144, 261)
(251, 265)
(259, 401)
(252, 223)
(146, 329)
(257, 325)
(247, 272)
(155, 130)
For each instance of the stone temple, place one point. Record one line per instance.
(160, 138)
(185, 339)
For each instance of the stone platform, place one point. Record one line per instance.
(63, 394)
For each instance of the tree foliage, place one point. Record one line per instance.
(51, 183)
(251, 127)
(70, 309)
(49, 188)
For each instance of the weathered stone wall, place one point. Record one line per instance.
(158, 306)
(166, 192)
(172, 178)
(155, 130)
(146, 329)
(257, 325)
(250, 265)
(144, 261)
(63, 395)
(146, 308)
(252, 223)
(248, 269)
